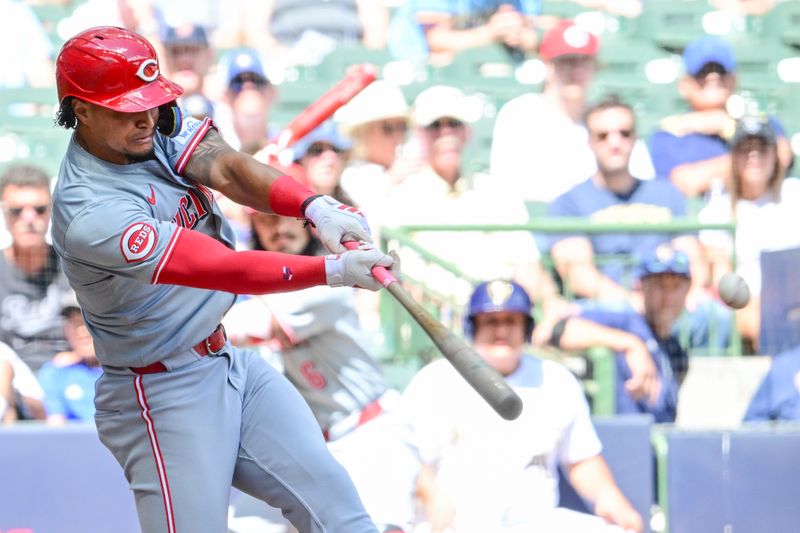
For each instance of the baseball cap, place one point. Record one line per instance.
(665, 260)
(567, 39)
(440, 101)
(326, 132)
(240, 62)
(754, 126)
(188, 34)
(380, 100)
(708, 49)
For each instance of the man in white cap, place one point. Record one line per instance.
(377, 122)
(441, 194)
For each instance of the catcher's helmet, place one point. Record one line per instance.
(498, 295)
(113, 68)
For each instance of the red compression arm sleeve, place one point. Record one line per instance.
(286, 196)
(194, 259)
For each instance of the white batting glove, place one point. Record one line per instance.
(337, 222)
(353, 268)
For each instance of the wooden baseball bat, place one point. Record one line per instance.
(483, 378)
(326, 105)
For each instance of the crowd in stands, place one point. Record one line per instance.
(402, 156)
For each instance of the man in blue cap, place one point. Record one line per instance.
(188, 57)
(692, 149)
(652, 362)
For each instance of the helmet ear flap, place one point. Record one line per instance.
(170, 119)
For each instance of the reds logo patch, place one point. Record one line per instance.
(138, 242)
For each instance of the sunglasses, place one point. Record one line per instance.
(15, 212)
(237, 84)
(604, 135)
(441, 123)
(394, 128)
(316, 150)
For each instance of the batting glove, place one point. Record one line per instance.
(353, 268)
(337, 222)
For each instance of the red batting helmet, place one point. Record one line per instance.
(114, 68)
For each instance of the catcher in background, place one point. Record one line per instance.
(484, 474)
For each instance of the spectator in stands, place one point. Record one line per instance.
(32, 285)
(68, 380)
(303, 32)
(762, 204)
(131, 14)
(376, 121)
(243, 117)
(778, 396)
(324, 153)
(442, 194)
(27, 51)
(539, 149)
(324, 352)
(614, 195)
(437, 30)
(692, 149)
(188, 57)
(482, 473)
(653, 363)
(21, 396)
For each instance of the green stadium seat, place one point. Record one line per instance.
(671, 24)
(28, 109)
(782, 22)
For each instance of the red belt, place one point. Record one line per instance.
(211, 345)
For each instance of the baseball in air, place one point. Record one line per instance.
(734, 290)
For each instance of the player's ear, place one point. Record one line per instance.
(80, 109)
(170, 118)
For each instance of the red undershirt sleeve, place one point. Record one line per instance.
(286, 196)
(193, 259)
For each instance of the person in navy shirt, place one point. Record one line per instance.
(692, 149)
(651, 362)
(778, 396)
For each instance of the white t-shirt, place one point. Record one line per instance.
(539, 153)
(24, 42)
(761, 225)
(500, 474)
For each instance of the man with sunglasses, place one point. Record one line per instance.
(598, 266)
(692, 149)
(32, 285)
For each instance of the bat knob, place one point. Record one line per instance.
(509, 406)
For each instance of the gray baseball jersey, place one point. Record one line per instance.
(184, 434)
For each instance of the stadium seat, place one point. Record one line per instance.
(782, 22)
(671, 24)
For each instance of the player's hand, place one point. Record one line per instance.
(337, 222)
(644, 381)
(353, 268)
(614, 508)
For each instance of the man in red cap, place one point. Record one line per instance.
(540, 145)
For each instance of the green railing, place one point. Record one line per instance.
(405, 345)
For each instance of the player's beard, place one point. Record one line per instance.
(141, 158)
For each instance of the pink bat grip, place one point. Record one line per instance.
(380, 273)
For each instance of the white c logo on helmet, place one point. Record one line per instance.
(141, 72)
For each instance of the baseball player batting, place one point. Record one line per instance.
(152, 261)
